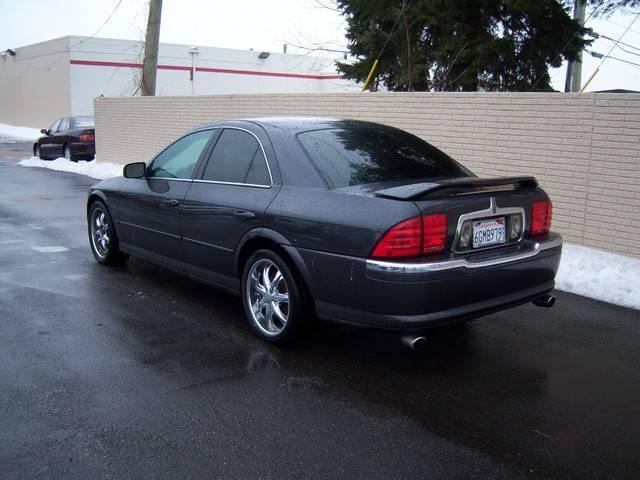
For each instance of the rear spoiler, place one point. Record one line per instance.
(454, 186)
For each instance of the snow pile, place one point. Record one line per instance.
(601, 275)
(99, 170)
(9, 133)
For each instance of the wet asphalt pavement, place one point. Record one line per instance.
(136, 372)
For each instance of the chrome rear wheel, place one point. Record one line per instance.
(275, 299)
(268, 295)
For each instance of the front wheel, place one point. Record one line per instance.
(102, 236)
(274, 299)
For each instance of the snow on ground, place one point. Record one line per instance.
(601, 275)
(99, 170)
(585, 271)
(9, 133)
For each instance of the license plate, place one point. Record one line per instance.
(488, 232)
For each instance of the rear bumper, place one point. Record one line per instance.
(415, 295)
(86, 150)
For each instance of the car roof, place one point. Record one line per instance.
(292, 125)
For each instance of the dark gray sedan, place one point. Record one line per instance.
(349, 221)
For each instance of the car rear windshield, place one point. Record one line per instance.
(82, 122)
(358, 154)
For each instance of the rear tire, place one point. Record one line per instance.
(67, 153)
(274, 298)
(102, 236)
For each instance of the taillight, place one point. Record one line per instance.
(541, 213)
(414, 237)
(434, 229)
(87, 137)
(403, 240)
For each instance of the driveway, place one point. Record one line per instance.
(136, 372)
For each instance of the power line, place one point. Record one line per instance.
(600, 55)
(101, 26)
(46, 67)
(599, 35)
(595, 72)
(567, 44)
(621, 26)
(619, 38)
(628, 51)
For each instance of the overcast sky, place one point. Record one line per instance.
(258, 24)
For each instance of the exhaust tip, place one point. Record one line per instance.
(546, 301)
(414, 342)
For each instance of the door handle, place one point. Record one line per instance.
(244, 214)
(173, 202)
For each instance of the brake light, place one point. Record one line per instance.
(541, 213)
(403, 240)
(87, 137)
(434, 229)
(414, 237)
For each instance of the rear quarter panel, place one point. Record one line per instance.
(334, 222)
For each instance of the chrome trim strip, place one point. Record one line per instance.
(398, 267)
(492, 211)
(205, 244)
(233, 183)
(150, 229)
(168, 178)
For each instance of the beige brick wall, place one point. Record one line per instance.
(583, 148)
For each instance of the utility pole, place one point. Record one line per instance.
(152, 40)
(573, 81)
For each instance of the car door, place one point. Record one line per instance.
(149, 208)
(227, 199)
(47, 143)
(59, 137)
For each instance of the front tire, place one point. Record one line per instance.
(273, 297)
(102, 236)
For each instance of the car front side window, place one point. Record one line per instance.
(180, 158)
(54, 126)
(64, 125)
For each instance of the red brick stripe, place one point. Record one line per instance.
(95, 63)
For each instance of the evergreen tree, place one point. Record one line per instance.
(459, 45)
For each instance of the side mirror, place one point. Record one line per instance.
(134, 170)
(44, 131)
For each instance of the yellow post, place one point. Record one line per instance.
(366, 82)
(584, 87)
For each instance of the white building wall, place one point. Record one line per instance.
(111, 67)
(34, 84)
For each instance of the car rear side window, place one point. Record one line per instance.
(237, 158)
(179, 159)
(356, 154)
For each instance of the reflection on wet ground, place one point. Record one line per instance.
(137, 372)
